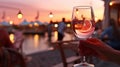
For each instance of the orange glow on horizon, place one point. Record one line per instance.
(57, 17)
(59, 8)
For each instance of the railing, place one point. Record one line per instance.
(61, 45)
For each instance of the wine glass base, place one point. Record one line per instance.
(83, 64)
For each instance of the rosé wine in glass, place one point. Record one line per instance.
(83, 26)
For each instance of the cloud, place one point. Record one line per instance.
(15, 5)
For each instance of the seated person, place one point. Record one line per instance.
(5, 40)
(111, 35)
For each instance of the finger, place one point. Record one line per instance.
(93, 39)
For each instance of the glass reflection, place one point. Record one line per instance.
(11, 36)
(36, 40)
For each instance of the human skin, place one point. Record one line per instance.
(102, 50)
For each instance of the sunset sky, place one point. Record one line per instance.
(59, 8)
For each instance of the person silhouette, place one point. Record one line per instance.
(49, 30)
(61, 29)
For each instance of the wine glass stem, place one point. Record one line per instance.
(84, 59)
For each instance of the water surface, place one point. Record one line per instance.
(37, 43)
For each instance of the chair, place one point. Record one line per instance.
(19, 44)
(11, 58)
(61, 45)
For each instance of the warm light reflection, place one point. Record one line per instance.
(56, 25)
(11, 22)
(96, 19)
(77, 12)
(68, 25)
(111, 3)
(11, 36)
(51, 15)
(55, 35)
(78, 26)
(36, 40)
(36, 24)
(20, 16)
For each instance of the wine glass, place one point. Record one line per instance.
(83, 26)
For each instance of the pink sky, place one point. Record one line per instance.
(59, 8)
